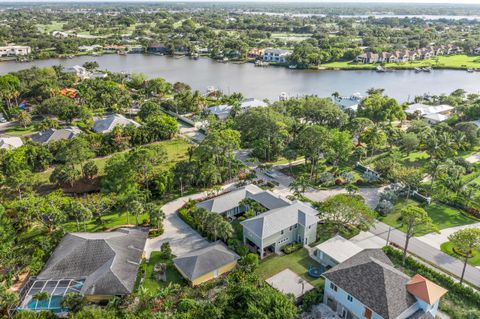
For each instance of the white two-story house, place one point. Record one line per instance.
(276, 55)
(368, 286)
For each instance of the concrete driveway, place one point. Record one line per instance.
(436, 239)
(182, 238)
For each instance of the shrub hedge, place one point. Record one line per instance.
(291, 248)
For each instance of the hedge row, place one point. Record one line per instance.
(461, 292)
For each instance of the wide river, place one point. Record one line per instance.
(269, 82)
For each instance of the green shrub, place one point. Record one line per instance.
(291, 248)
(312, 297)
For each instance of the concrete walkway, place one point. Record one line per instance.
(436, 239)
(182, 238)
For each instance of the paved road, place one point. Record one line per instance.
(429, 253)
(436, 239)
(182, 238)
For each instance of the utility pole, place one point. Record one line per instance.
(388, 236)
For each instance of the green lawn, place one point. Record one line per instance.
(109, 221)
(448, 249)
(416, 159)
(459, 61)
(443, 216)
(298, 262)
(20, 131)
(48, 28)
(173, 276)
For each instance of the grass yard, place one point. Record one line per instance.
(458, 61)
(298, 262)
(48, 28)
(443, 216)
(20, 131)
(153, 284)
(416, 159)
(448, 249)
(108, 221)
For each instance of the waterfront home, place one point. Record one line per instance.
(107, 123)
(232, 204)
(270, 231)
(89, 48)
(14, 50)
(54, 135)
(432, 114)
(135, 49)
(98, 266)
(406, 55)
(206, 263)
(256, 53)
(276, 55)
(10, 142)
(158, 48)
(335, 251)
(368, 285)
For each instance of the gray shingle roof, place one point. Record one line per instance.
(106, 124)
(205, 260)
(228, 201)
(108, 261)
(370, 277)
(275, 220)
(53, 135)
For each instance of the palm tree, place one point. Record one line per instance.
(137, 209)
(299, 185)
(156, 214)
(225, 230)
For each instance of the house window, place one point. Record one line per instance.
(350, 298)
(295, 226)
(290, 228)
(367, 313)
(281, 233)
(333, 287)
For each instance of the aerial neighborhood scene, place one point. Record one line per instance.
(240, 159)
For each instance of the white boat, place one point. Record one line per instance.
(292, 66)
(380, 69)
(261, 63)
(427, 69)
(470, 70)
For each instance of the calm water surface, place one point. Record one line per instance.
(271, 81)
